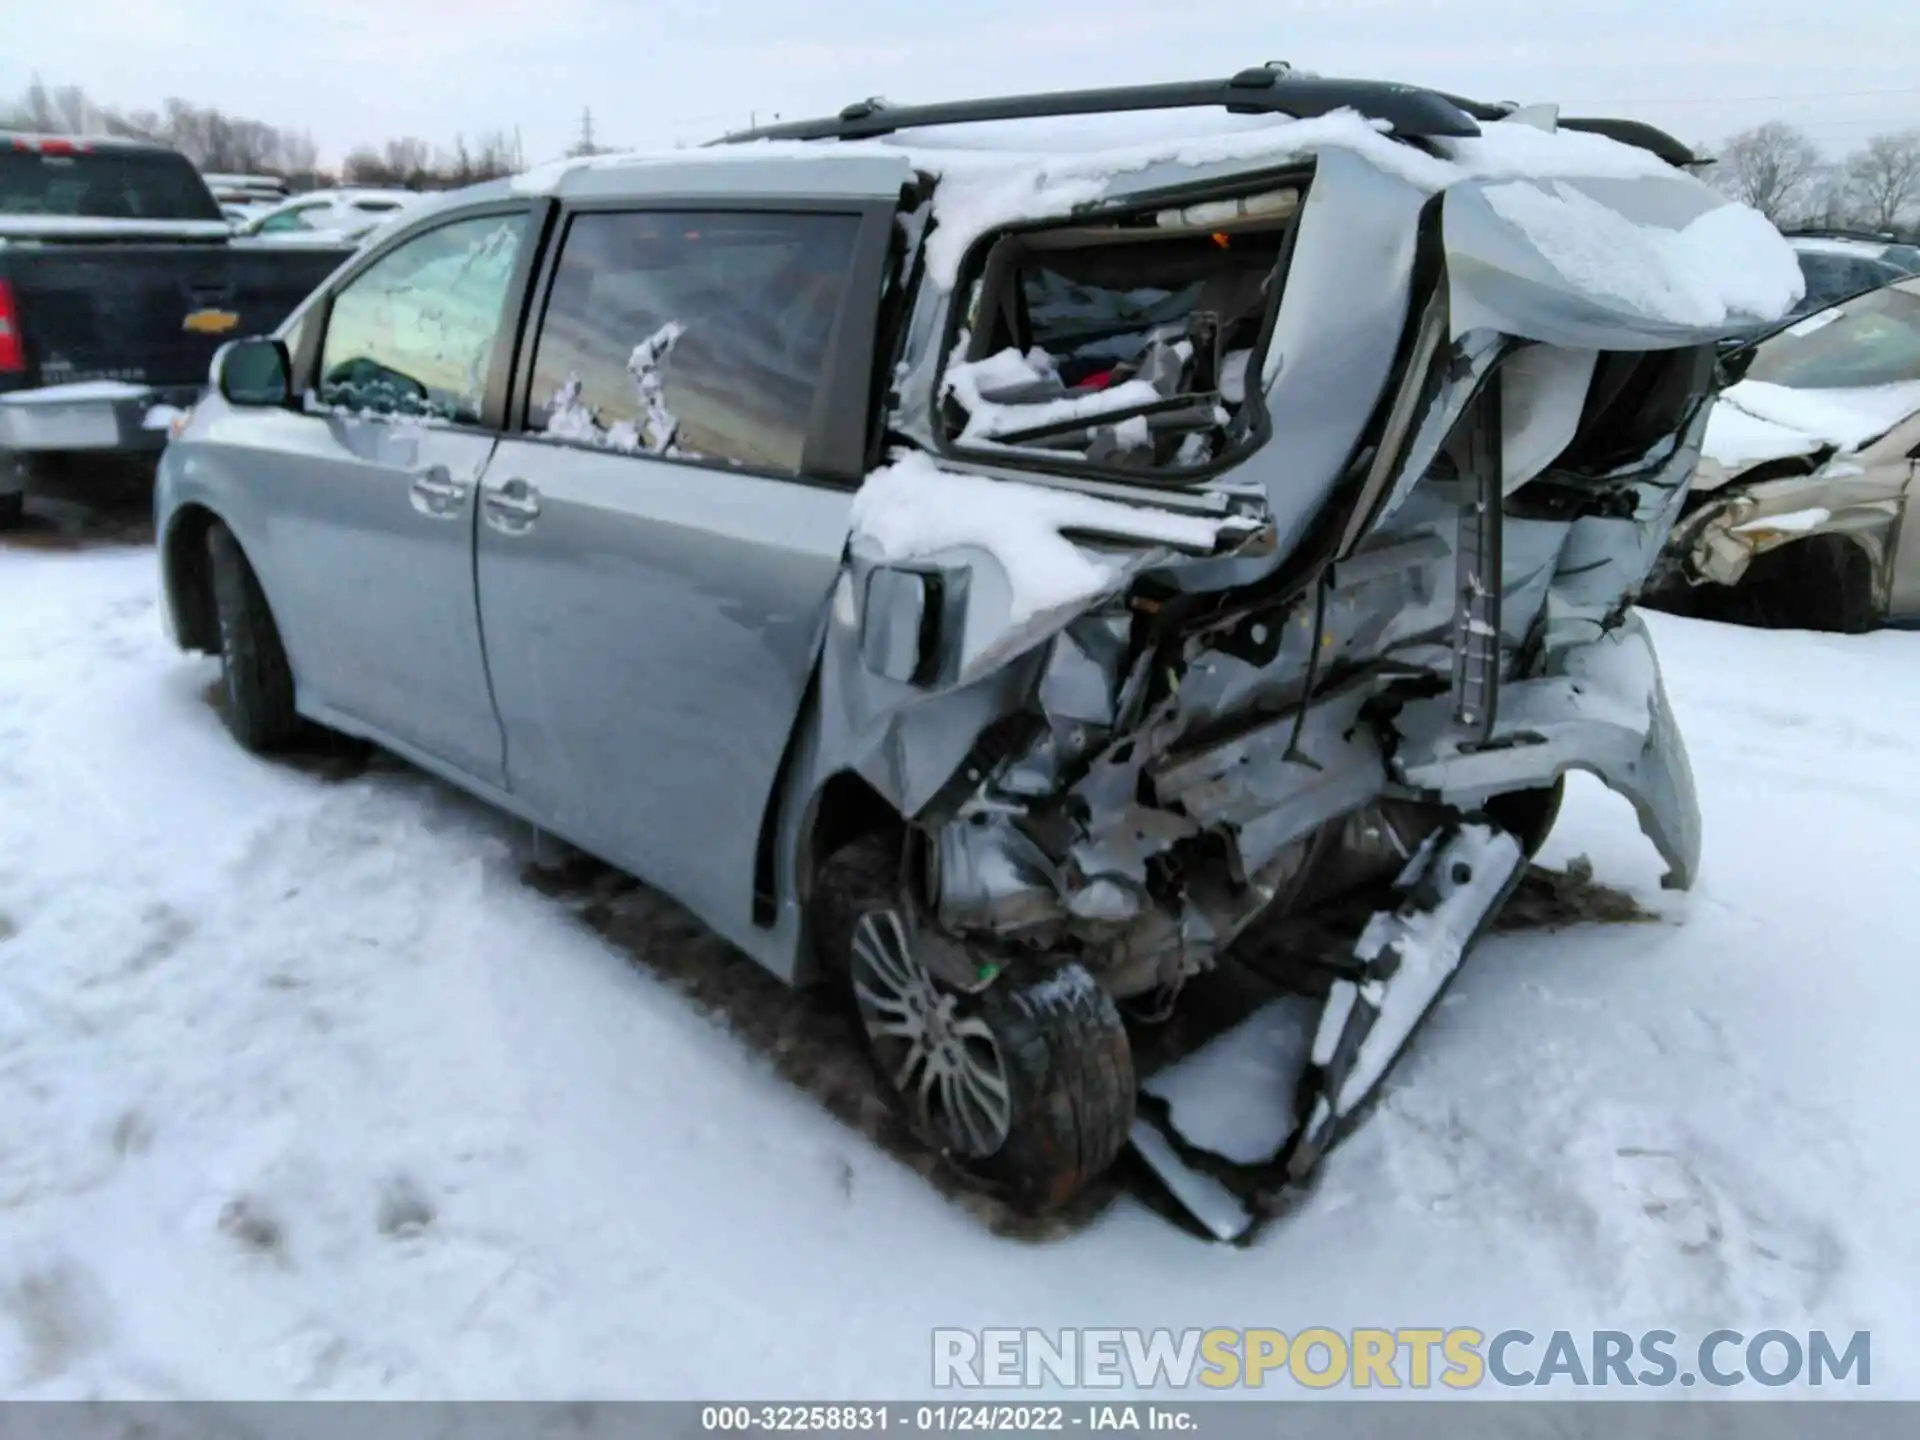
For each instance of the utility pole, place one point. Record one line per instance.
(585, 145)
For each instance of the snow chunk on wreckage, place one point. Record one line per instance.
(978, 193)
(913, 509)
(1844, 418)
(1725, 263)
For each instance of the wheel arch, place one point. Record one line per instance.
(840, 810)
(1835, 575)
(187, 577)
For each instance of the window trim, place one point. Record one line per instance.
(834, 450)
(512, 311)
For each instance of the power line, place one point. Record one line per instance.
(1739, 99)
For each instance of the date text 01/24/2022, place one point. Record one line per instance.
(988, 1419)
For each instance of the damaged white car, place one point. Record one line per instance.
(987, 556)
(1798, 516)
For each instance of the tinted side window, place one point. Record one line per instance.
(415, 333)
(107, 183)
(286, 220)
(692, 336)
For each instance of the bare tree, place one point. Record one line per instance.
(1884, 177)
(366, 166)
(218, 142)
(1829, 198)
(1770, 167)
(490, 156)
(299, 154)
(408, 160)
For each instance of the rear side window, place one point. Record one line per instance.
(103, 184)
(415, 333)
(691, 336)
(294, 219)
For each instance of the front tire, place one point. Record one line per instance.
(256, 680)
(1027, 1085)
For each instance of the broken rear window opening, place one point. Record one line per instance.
(1132, 345)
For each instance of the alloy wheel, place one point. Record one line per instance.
(945, 1063)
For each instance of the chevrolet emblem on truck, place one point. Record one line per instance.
(210, 322)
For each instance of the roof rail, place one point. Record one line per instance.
(1413, 113)
(1638, 134)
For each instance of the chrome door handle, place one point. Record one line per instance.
(513, 507)
(437, 495)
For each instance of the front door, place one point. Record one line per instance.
(375, 487)
(654, 561)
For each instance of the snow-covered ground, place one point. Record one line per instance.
(304, 1092)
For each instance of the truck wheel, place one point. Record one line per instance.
(256, 680)
(1027, 1084)
(13, 505)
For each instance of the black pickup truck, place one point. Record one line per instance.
(119, 278)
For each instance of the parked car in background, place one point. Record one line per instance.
(245, 197)
(246, 189)
(119, 279)
(330, 215)
(1839, 263)
(959, 600)
(1800, 510)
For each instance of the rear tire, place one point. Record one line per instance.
(1027, 1085)
(256, 680)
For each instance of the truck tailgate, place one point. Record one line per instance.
(149, 312)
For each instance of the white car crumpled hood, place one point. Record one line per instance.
(1754, 421)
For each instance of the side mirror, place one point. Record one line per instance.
(900, 624)
(254, 371)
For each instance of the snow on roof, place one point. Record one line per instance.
(1108, 145)
(1728, 261)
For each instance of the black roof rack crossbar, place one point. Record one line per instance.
(1638, 134)
(1413, 113)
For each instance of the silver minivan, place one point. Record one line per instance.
(988, 556)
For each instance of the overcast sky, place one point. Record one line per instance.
(659, 71)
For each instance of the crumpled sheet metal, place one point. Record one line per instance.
(1606, 712)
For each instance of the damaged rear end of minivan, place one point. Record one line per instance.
(1254, 543)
